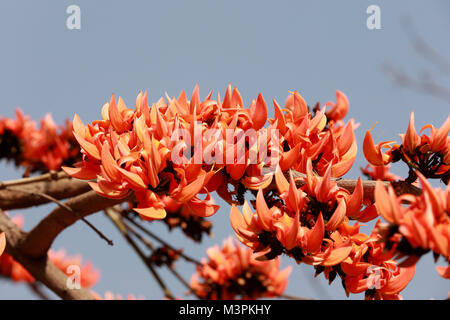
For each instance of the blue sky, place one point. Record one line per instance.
(315, 47)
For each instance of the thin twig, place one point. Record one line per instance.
(115, 218)
(183, 281)
(151, 248)
(41, 237)
(154, 236)
(50, 176)
(35, 287)
(69, 209)
(28, 194)
(139, 236)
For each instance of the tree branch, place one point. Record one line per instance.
(116, 219)
(41, 269)
(40, 239)
(27, 192)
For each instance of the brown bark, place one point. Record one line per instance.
(41, 269)
(41, 237)
(20, 196)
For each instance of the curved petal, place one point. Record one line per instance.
(151, 213)
(315, 235)
(337, 217)
(259, 113)
(2, 242)
(337, 255)
(398, 282)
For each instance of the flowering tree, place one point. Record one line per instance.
(282, 176)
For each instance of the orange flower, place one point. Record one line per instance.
(427, 154)
(368, 266)
(147, 149)
(421, 226)
(339, 109)
(232, 272)
(373, 152)
(40, 149)
(314, 137)
(296, 222)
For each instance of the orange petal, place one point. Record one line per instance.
(444, 272)
(292, 231)
(151, 213)
(383, 202)
(237, 221)
(300, 106)
(368, 214)
(440, 137)
(411, 140)
(279, 117)
(2, 242)
(83, 173)
(236, 170)
(203, 208)
(133, 178)
(400, 281)
(354, 202)
(280, 180)
(337, 255)
(110, 164)
(337, 217)
(372, 155)
(315, 235)
(324, 186)
(90, 148)
(290, 157)
(259, 113)
(256, 183)
(78, 126)
(192, 189)
(263, 211)
(108, 193)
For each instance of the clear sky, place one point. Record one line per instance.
(315, 47)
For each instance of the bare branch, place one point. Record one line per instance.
(116, 219)
(31, 189)
(164, 243)
(40, 239)
(41, 269)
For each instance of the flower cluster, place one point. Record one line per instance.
(427, 154)
(147, 149)
(370, 267)
(37, 149)
(420, 226)
(232, 272)
(310, 223)
(13, 270)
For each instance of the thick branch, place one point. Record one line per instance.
(40, 239)
(25, 193)
(41, 269)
